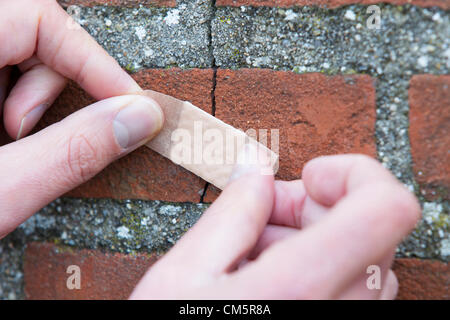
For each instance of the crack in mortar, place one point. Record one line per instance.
(214, 79)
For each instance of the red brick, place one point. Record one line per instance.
(444, 4)
(422, 279)
(114, 275)
(103, 275)
(122, 3)
(144, 174)
(429, 116)
(316, 114)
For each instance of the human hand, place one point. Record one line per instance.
(306, 239)
(35, 36)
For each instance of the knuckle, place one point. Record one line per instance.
(405, 208)
(82, 159)
(371, 168)
(408, 206)
(44, 3)
(80, 74)
(367, 161)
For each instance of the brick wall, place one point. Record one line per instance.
(323, 78)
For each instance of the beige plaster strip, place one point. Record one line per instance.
(201, 143)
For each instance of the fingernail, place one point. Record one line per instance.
(31, 119)
(250, 160)
(138, 122)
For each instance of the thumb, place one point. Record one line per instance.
(37, 169)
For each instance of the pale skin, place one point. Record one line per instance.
(261, 239)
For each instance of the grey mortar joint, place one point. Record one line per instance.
(126, 226)
(153, 37)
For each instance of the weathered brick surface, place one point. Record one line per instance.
(144, 174)
(122, 3)
(103, 275)
(445, 4)
(113, 275)
(422, 279)
(429, 99)
(315, 114)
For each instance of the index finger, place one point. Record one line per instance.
(45, 29)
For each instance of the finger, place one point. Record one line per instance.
(45, 29)
(4, 83)
(294, 207)
(270, 235)
(229, 229)
(286, 220)
(41, 167)
(370, 283)
(327, 179)
(289, 203)
(373, 217)
(32, 95)
(390, 288)
(288, 216)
